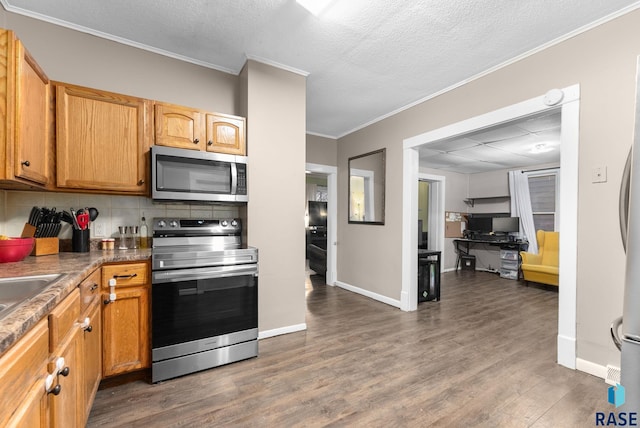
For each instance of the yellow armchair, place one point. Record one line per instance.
(542, 267)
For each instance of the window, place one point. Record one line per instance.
(543, 188)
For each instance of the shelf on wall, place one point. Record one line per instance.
(472, 201)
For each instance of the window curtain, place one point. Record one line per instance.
(521, 206)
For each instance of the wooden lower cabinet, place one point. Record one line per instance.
(81, 341)
(23, 370)
(92, 345)
(67, 409)
(34, 410)
(67, 363)
(125, 320)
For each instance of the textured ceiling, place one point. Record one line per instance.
(365, 58)
(518, 144)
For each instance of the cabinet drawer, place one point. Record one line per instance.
(509, 255)
(509, 264)
(126, 274)
(21, 367)
(508, 274)
(90, 289)
(62, 318)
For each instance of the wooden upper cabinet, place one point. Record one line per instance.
(225, 134)
(186, 128)
(26, 144)
(178, 126)
(103, 140)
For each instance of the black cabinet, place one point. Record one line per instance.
(316, 249)
(428, 275)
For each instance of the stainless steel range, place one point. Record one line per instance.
(204, 296)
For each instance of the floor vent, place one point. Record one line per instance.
(613, 375)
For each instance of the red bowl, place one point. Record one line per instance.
(15, 249)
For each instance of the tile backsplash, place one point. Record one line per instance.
(114, 210)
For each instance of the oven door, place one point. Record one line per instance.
(195, 310)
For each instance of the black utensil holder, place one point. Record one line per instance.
(80, 241)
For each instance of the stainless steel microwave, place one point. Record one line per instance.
(195, 176)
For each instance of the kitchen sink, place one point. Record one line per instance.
(16, 290)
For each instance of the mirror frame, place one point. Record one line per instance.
(383, 152)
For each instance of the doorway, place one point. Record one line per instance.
(434, 206)
(329, 175)
(568, 100)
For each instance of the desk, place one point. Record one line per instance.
(463, 246)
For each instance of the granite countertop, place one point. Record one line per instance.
(74, 267)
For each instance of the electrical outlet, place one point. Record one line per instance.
(98, 229)
(599, 174)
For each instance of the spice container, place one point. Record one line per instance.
(123, 237)
(108, 244)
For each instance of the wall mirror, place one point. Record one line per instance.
(366, 188)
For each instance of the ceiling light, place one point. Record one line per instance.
(540, 148)
(316, 7)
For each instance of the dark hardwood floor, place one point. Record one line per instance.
(485, 355)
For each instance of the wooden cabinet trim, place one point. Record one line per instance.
(63, 317)
(90, 289)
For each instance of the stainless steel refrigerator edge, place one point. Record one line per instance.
(629, 343)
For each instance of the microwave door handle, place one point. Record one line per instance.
(234, 178)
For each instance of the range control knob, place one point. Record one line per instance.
(173, 223)
(162, 223)
(224, 223)
(234, 223)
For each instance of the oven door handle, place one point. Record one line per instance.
(204, 273)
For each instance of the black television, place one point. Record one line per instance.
(317, 213)
(479, 224)
(505, 224)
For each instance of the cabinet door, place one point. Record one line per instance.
(103, 140)
(226, 134)
(92, 355)
(66, 408)
(33, 410)
(32, 119)
(22, 368)
(178, 126)
(125, 325)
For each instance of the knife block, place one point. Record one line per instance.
(43, 246)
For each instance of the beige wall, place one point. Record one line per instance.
(276, 178)
(322, 150)
(603, 62)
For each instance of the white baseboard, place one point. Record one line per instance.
(567, 351)
(282, 330)
(591, 368)
(369, 294)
